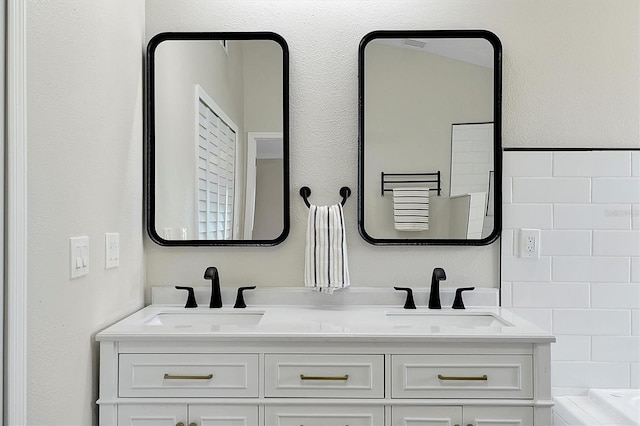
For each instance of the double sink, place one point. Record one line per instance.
(252, 318)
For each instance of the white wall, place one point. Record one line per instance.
(84, 178)
(585, 287)
(570, 79)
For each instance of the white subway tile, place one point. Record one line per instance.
(507, 242)
(635, 323)
(463, 146)
(571, 348)
(635, 163)
(615, 296)
(517, 269)
(595, 322)
(507, 190)
(505, 294)
(551, 190)
(635, 269)
(615, 348)
(616, 190)
(635, 375)
(590, 269)
(616, 243)
(550, 295)
(538, 216)
(589, 374)
(592, 216)
(530, 164)
(540, 317)
(565, 243)
(461, 169)
(635, 216)
(592, 163)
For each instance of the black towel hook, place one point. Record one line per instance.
(305, 192)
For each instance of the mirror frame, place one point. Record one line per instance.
(497, 139)
(150, 166)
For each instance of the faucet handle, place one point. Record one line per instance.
(191, 298)
(240, 297)
(409, 303)
(457, 301)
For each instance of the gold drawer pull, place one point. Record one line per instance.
(171, 377)
(303, 377)
(483, 377)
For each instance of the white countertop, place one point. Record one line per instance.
(329, 323)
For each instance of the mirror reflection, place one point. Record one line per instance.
(429, 137)
(218, 139)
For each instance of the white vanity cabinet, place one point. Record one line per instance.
(369, 376)
(187, 415)
(462, 415)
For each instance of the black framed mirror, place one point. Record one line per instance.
(217, 139)
(430, 151)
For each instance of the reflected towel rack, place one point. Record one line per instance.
(305, 192)
(390, 179)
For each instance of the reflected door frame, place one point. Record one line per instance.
(15, 301)
(253, 139)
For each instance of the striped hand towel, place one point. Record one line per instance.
(325, 264)
(411, 209)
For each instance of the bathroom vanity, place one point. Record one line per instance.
(324, 366)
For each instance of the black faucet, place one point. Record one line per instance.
(434, 294)
(211, 273)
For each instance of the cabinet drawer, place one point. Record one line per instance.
(324, 415)
(188, 375)
(462, 376)
(324, 376)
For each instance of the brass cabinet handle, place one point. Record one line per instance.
(303, 377)
(180, 424)
(483, 377)
(171, 377)
(192, 424)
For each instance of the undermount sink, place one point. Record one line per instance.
(206, 318)
(429, 319)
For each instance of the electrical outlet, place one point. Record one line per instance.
(111, 250)
(530, 243)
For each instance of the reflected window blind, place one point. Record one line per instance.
(215, 168)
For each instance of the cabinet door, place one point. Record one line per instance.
(426, 416)
(152, 415)
(498, 416)
(223, 415)
(324, 415)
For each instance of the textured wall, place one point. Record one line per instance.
(570, 79)
(585, 287)
(84, 178)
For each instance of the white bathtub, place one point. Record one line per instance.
(612, 407)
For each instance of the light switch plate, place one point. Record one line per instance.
(78, 256)
(111, 250)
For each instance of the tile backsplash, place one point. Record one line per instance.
(585, 286)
